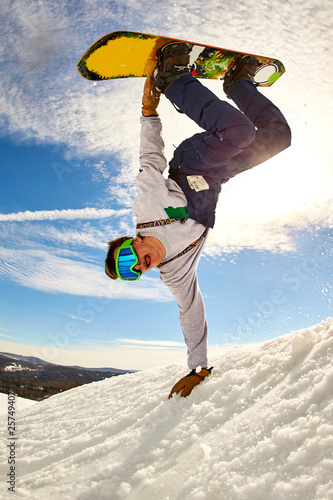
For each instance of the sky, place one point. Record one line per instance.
(69, 157)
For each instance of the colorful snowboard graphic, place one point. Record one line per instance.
(126, 54)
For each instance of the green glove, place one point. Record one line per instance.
(186, 384)
(150, 98)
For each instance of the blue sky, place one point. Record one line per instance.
(69, 156)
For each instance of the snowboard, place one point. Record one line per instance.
(127, 54)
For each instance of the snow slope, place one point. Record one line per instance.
(21, 404)
(260, 428)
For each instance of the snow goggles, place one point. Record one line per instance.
(126, 259)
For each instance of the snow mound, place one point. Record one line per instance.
(259, 428)
(20, 404)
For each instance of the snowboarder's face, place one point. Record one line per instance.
(150, 252)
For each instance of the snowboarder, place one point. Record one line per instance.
(174, 215)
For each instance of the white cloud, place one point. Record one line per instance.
(41, 270)
(152, 343)
(65, 234)
(135, 357)
(92, 356)
(72, 316)
(69, 214)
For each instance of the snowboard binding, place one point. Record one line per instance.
(244, 68)
(173, 62)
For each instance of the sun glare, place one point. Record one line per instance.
(287, 184)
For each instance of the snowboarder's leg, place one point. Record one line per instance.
(232, 138)
(230, 130)
(173, 78)
(273, 133)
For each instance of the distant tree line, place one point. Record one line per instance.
(34, 389)
(37, 381)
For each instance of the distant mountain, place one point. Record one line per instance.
(34, 378)
(113, 370)
(28, 359)
(33, 359)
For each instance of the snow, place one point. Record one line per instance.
(21, 404)
(259, 428)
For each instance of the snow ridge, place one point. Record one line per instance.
(260, 428)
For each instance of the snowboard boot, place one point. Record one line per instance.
(244, 69)
(173, 62)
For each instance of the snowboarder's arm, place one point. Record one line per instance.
(193, 322)
(152, 159)
(184, 286)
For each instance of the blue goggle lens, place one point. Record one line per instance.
(126, 260)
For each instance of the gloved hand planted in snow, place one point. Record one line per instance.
(186, 384)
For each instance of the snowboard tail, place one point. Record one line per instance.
(127, 54)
